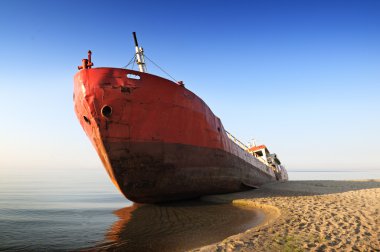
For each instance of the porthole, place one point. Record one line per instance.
(106, 111)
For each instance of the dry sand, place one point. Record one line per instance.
(309, 216)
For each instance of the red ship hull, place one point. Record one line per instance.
(157, 140)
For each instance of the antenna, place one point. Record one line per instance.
(139, 55)
(252, 143)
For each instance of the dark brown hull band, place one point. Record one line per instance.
(151, 172)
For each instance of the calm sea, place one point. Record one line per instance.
(69, 209)
(334, 175)
(55, 209)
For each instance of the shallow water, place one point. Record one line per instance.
(55, 209)
(81, 209)
(177, 226)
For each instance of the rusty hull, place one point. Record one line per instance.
(157, 140)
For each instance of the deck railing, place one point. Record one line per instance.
(236, 141)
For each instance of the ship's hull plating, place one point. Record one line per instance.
(160, 142)
(155, 172)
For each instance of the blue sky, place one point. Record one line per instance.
(303, 77)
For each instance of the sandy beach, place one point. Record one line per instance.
(308, 216)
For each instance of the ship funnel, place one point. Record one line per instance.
(139, 55)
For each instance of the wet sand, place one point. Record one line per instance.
(308, 216)
(177, 226)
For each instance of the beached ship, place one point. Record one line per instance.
(159, 141)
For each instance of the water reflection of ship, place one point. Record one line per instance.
(177, 226)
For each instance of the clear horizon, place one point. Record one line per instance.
(301, 77)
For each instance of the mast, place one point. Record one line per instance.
(139, 55)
